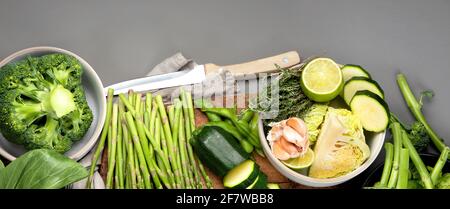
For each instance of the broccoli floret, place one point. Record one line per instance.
(62, 68)
(42, 102)
(417, 133)
(415, 184)
(77, 123)
(444, 182)
(419, 136)
(47, 136)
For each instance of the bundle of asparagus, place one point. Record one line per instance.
(148, 144)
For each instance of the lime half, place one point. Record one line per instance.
(322, 79)
(303, 161)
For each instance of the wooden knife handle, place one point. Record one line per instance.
(265, 65)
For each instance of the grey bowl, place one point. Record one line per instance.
(94, 94)
(374, 140)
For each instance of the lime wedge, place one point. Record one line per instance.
(322, 79)
(303, 161)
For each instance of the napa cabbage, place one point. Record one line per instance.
(313, 119)
(340, 147)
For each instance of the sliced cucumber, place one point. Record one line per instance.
(358, 84)
(273, 186)
(241, 176)
(349, 71)
(371, 109)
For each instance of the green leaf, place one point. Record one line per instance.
(41, 169)
(428, 94)
(1, 164)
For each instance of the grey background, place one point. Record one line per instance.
(124, 39)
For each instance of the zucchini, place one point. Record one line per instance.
(371, 109)
(254, 183)
(349, 71)
(273, 186)
(242, 176)
(217, 149)
(358, 84)
(261, 183)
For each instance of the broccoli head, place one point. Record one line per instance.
(444, 182)
(42, 102)
(419, 136)
(417, 133)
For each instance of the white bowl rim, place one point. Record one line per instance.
(102, 112)
(316, 182)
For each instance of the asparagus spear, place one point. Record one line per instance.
(205, 176)
(131, 99)
(157, 132)
(171, 113)
(182, 146)
(119, 177)
(149, 156)
(139, 171)
(130, 158)
(153, 115)
(161, 156)
(112, 154)
(192, 157)
(148, 101)
(101, 143)
(169, 140)
(163, 139)
(127, 103)
(137, 103)
(139, 149)
(193, 172)
(191, 110)
(175, 149)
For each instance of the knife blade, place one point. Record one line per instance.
(180, 78)
(199, 73)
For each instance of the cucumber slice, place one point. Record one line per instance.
(241, 176)
(349, 71)
(358, 84)
(371, 109)
(273, 186)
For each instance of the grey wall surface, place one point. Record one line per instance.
(124, 39)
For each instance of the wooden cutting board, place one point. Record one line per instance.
(272, 174)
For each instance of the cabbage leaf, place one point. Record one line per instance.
(340, 147)
(313, 119)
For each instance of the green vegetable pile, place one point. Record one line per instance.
(147, 144)
(41, 169)
(291, 99)
(42, 102)
(243, 127)
(218, 149)
(407, 143)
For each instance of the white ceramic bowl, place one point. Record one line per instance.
(94, 94)
(374, 140)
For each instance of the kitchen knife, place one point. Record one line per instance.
(198, 74)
